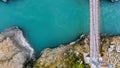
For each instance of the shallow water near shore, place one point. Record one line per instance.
(49, 23)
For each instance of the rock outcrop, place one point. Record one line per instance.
(68, 56)
(15, 51)
(111, 50)
(72, 55)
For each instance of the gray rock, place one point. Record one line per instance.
(15, 51)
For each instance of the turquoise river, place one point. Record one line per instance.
(49, 23)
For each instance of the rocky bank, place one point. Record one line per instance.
(72, 55)
(16, 52)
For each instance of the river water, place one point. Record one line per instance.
(49, 23)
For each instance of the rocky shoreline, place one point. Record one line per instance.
(72, 55)
(16, 52)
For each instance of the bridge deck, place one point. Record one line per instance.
(94, 29)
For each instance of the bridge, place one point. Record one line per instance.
(94, 30)
(95, 61)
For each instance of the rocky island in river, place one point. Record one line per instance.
(16, 52)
